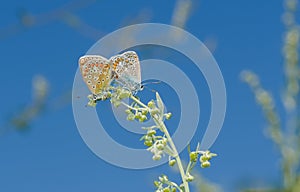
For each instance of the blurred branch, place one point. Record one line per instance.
(290, 54)
(288, 139)
(266, 101)
(24, 117)
(76, 23)
(181, 13)
(203, 185)
(28, 20)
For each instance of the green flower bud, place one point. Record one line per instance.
(151, 132)
(166, 190)
(147, 137)
(193, 156)
(172, 162)
(151, 104)
(189, 178)
(203, 158)
(148, 143)
(168, 116)
(163, 178)
(156, 157)
(156, 183)
(181, 186)
(164, 141)
(160, 146)
(131, 117)
(144, 112)
(138, 115)
(173, 189)
(205, 164)
(128, 111)
(143, 118)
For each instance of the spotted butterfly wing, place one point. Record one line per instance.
(127, 72)
(96, 73)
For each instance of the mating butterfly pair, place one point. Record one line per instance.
(98, 73)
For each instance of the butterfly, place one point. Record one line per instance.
(97, 74)
(127, 71)
(100, 73)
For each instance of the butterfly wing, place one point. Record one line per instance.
(96, 72)
(127, 70)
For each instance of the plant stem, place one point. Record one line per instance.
(138, 101)
(176, 155)
(164, 129)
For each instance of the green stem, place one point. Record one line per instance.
(162, 126)
(176, 155)
(138, 101)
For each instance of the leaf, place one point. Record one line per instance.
(160, 105)
(189, 148)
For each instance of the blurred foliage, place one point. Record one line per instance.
(203, 185)
(29, 20)
(22, 119)
(286, 135)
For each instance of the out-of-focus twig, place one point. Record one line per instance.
(29, 20)
(181, 13)
(82, 27)
(287, 139)
(24, 117)
(202, 185)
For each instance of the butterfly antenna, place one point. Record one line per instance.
(146, 87)
(151, 82)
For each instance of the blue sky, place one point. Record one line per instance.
(53, 157)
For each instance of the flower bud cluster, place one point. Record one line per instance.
(158, 148)
(205, 157)
(164, 184)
